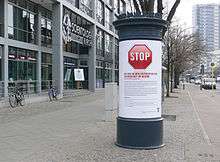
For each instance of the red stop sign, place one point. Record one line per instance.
(140, 56)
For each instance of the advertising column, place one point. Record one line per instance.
(139, 124)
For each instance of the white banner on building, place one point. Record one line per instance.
(79, 75)
(140, 71)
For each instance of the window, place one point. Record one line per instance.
(108, 43)
(22, 67)
(100, 12)
(69, 65)
(46, 29)
(86, 6)
(108, 22)
(46, 70)
(21, 24)
(100, 43)
(108, 72)
(100, 74)
(116, 51)
(79, 37)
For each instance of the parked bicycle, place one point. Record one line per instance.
(16, 96)
(52, 93)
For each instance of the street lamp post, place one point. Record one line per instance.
(212, 67)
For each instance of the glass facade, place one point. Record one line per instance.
(22, 21)
(108, 23)
(100, 74)
(86, 6)
(100, 42)
(69, 65)
(76, 46)
(46, 70)
(22, 67)
(46, 28)
(100, 12)
(108, 72)
(28, 18)
(108, 47)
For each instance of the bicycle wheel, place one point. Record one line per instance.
(21, 99)
(54, 94)
(13, 100)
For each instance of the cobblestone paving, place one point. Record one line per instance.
(72, 130)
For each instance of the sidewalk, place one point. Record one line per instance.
(72, 130)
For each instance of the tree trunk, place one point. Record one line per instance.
(176, 78)
(168, 71)
(171, 78)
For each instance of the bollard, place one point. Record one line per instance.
(111, 100)
(183, 86)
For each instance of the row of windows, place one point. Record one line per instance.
(22, 25)
(104, 14)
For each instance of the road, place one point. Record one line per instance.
(207, 106)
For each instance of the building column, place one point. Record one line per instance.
(39, 72)
(57, 47)
(5, 50)
(39, 53)
(92, 61)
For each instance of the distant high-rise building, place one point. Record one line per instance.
(206, 21)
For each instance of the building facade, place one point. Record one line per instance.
(42, 42)
(206, 22)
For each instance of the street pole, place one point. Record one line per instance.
(212, 81)
(212, 68)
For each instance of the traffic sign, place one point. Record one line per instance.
(212, 64)
(139, 56)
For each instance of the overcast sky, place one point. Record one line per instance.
(184, 11)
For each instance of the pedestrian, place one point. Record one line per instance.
(183, 84)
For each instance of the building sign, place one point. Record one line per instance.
(140, 79)
(73, 32)
(79, 75)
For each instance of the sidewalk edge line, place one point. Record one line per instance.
(200, 122)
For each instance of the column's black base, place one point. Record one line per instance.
(140, 133)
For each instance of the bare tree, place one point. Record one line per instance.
(147, 6)
(185, 52)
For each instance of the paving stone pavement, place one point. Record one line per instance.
(72, 130)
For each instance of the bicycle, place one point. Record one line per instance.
(52, 93)
(16, 97)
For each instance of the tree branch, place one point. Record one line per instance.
(160, 6)
(173, 10)
(136, 6)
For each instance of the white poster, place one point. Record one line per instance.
(79, 75)
(140, 69)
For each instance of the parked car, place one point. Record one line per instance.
(198, 81)
(208, 83)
